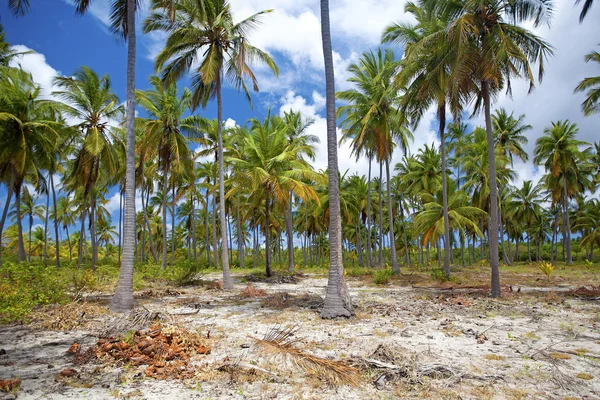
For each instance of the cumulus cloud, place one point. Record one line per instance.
(35, 63)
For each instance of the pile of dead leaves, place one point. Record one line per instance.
(77, 315)
(151, 294)
(586, 292)
(252, 291)
(286, 300)
(166, 350)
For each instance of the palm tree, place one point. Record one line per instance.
(337, 299)
(7, 53)
(560, 153)
(587, 5)
(28, 135)
(66, 216)
(274, 168)
(482, 31)
(527, 208)
(591, 104)
(509, 133)
(206, 27)
(372, 119)
(164, 135)
(88, 98)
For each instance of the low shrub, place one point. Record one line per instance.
(382, 276)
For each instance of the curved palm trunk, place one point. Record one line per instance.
(56, 230)
(447, 249)
(391, 221)
(11, 186)
(123, 298)
(290, 235)
(493, 228)
(567, 223)
(337, 299)
(227, 281)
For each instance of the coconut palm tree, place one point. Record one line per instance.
(371, 117)
(28, 136)
(591, 104)
(564, 160)
(66, 217)
(88, 98)
(337, 299)
(526, 206)
(164, 130)
(203, 33)
(274, 168)
(509, 134)
(481, 31)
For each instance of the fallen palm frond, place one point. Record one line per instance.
(142, 316)
(252, 291)
(280, 342)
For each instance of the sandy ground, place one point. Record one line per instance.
(446, 344)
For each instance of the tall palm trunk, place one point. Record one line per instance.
(93, 230)
(121, 222)
(47, 216)
(447, 249)
(361, 261)
(493, 228)
(147, 222)
(123, 298)
(505, 254)
(380, 230)
(10, 189)
(240, 234)
(21, 246)
(567, 223)
(369, 246)
(70, 244)
(165, 190)
(56, 231)
(528, 244)
(391, 220)
(337, 299)
(267, 230)
(82, 232)
(255, 237)
(29, 244)
(173, 222)
(227, 281)
(206, 239)
(214, 232)
(194, 239)
(290, 235)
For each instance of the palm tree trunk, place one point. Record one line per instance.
(493, 228)
(227, 281)
(206, 240)
(501, 233)
(528, 245)
(165, 190)
(46, 225)
(380, 228)
(147, 222)
(21, 246)
(214, 232)
(56, 233)
(447, 249)
(240, 235)
(230, 237)
(123, 298)
(267, 229)
(93, 230)
(82, 233)
(369, 247)
(10, 189)
(29, 244)
(337, 299)
(194, 239)
(121, 221)
(361, 261)
(173, 205)
(70, 245)
(517, 255)
(462, 248)
(391, 220)
(567, 223)
(406, 247)
(290, 235)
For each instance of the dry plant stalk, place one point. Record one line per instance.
(280, 342)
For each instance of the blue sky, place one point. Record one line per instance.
(291, 33)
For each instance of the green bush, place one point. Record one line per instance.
(359, 271)
(439, 275)
(383, 276)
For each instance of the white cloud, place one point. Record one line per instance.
(35, 63)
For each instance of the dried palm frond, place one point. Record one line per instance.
(280, 342)
(142, 316)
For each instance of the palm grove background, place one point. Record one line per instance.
(218, 194)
